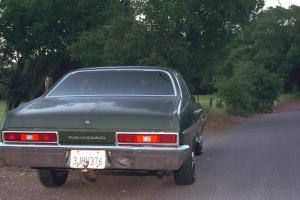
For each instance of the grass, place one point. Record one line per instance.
(2, 111)
(213, 110)
(289, 96)
(204, 100)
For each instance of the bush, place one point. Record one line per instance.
(267, 88)
(235, 90)
(248, 89)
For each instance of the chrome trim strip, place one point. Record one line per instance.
(91, 70)
(113, 96)
(70, 147)
(192, 127)
(30, 142)
(180, 92)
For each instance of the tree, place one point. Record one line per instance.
(35, 35)
(293, 54)
(181, 34)
(269, 48)
(271, 41)
(249, 88)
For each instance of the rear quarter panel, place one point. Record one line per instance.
(190, 115)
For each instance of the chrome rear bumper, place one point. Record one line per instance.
(118, 157)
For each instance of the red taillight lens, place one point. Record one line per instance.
(11, 137)
(50, 137)
(30, 137)
(147, 138)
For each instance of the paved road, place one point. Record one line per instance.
(259, 159)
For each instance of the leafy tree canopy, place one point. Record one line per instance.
(181, 34)
(270, 47)
(35, 35)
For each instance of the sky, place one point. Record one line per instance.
(284, 3)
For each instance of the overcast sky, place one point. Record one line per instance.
(284, 3)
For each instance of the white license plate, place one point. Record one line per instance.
(90, 159)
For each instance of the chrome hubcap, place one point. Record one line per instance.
(193, 163)
(198, 139)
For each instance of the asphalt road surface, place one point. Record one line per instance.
(259, 159)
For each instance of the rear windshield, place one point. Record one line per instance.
(114, 82)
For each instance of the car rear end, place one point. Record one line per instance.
(135, 130)
(130, 150)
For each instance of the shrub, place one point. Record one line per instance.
(266, 89)
(248, 89)
(235, 90)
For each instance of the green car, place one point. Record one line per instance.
(128, 119)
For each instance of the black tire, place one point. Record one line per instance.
(186, 174)
(52, 178)
(199, 148)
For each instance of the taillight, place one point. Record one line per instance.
(146, 138)
(30, 137)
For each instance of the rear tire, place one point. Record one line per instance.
(52, 178)
(186, 174)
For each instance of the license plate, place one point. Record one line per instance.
(80, 159)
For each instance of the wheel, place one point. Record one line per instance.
(52, 178)
(186, 174)
(199, 147)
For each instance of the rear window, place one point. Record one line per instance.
(114, 83)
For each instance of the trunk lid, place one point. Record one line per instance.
(94, 120)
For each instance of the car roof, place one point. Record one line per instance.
(167, 69)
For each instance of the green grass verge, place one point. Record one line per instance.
(289, 96)
(2, 111)
(212, 109)
(204, 100)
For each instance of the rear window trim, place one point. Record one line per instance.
(48, 95)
